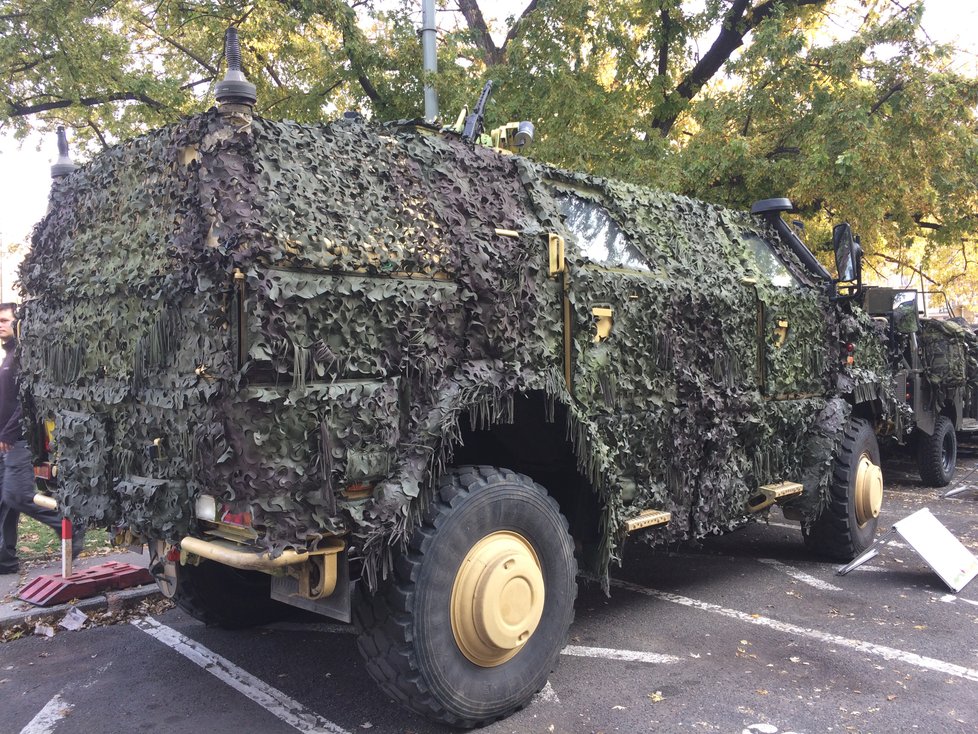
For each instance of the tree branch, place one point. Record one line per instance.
(927, 225)
(267, 64)
(98, 133)
(476, 22)
(664, 43)
(28, 65)
(903, 264)
(520, 22)
(179, 46)
(898, 87)
(480, 31)
(191, 85)
(740, 20)
(783, 151)
(344, 17)
(19, 110)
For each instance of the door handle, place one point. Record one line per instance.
(781, 333)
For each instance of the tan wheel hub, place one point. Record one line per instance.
(497, 598)
(869, 490)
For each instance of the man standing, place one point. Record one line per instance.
(16, 468)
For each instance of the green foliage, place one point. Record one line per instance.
(36, 541)
(732, 102)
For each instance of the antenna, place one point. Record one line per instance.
(234, 88)
(63, 166)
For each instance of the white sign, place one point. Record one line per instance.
(944, 553)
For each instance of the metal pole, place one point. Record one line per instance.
(428, 36)
(923, 292)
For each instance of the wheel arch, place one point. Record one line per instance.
(536, 434)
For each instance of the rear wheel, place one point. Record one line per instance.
(937, 453)
(222, 596)
(847, 524)
(477, 610)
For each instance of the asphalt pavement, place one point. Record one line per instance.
(746, 633)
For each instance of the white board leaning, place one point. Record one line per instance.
(944, 553)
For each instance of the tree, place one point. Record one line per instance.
(735, 101)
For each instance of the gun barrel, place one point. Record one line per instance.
(474, 122)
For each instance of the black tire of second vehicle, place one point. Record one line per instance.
(222, 596)
(937, 453)
(405, 629)
(836, 532)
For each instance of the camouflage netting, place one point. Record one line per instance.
(281, 314)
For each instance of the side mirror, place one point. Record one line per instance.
(905, 312)
(848, 254)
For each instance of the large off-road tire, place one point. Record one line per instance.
(847, 524)
(478, 608)
(937, 453)
(221, 596)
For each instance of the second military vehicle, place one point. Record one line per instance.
(935, 365)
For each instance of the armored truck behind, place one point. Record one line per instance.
(387, 375)
(935, 368)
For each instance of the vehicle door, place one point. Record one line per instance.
(792, 329)
(649, 354)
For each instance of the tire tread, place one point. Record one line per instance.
(384, 619)
(930, 454)
(834, 533)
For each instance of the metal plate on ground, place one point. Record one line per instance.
(944, 553)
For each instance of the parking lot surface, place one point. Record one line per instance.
(741, 633)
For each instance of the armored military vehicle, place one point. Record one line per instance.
(935, 366)
(388, 375)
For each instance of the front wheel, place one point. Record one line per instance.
(937, 453)
(473, 619)
(847, 524)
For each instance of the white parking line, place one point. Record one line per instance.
(271, 699)
(610, 654)
(951, 598)
(799, 575)
(797, 526)
(48, 717)
(887, 653)
(574, 650)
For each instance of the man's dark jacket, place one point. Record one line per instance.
(11, 429)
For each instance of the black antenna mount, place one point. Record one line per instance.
(234, 88)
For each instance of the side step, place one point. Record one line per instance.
(646, 519)
(969, 425)
(768, 494)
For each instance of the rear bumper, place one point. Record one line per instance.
(233, 554)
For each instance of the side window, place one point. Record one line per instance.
(768, 264)
(599, 237)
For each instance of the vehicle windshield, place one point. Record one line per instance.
(769, 265)
(599, 237)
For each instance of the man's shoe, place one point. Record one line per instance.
(4, 570)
